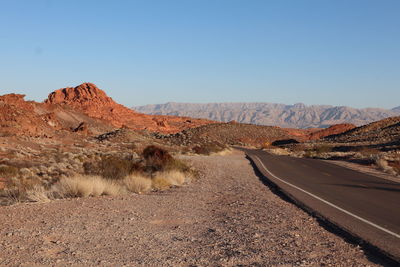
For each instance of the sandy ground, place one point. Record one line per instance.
(227, 217)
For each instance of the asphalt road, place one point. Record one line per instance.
(365, 206)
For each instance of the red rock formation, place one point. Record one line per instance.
(95, 103)
(334, 129)
(18, 116)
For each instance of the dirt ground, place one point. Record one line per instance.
(226, 217)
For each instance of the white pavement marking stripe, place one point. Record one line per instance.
(328, 203)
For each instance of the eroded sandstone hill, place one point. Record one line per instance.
(84, 108)
(95, 103)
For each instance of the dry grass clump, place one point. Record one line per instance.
(160, 183)
(224, 152)
(383, 165)
(208, 148)
(174, 178)
(137, 183)
(16, 189)
(165, 180)
(38, 194)
(7, 171)
(279, 151)
(85, 186)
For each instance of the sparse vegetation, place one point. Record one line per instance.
(160, 183)
(390, 168)
(175, 178)
(208, 148)
(323, 149)
(7, 171)
(85, 186)
(109, 175)
(137, 183)
(112, 167)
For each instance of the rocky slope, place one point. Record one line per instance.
(383, 131)
(334, 129)
(94, 102)
(291, 116)
(230, 134)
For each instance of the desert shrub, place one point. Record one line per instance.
(160, 183)
(177, 165)
(396, 165)
(284, 142)
(112, 167)
(175, 178)
(137, 183)
(224, 152)
(323, 149)
(369, 152)
(156, 158)
(38, 194)
(383, 165)
(309, 153)
(265, 145)
(16, 188)
(298, 147)
(279, 151)
(85, 186)
(208, 148)
(7, 171)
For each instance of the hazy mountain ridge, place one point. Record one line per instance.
(294, 116)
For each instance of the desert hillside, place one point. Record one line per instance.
(289, 116)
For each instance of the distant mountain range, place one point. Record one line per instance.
(291, 116)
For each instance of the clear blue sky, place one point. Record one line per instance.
(339, 52)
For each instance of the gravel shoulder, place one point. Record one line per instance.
(226, 217)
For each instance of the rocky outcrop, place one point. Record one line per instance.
(95, 103)
(334, 129)
(18, 116)
(87, 92)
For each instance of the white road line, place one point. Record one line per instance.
(328, 203)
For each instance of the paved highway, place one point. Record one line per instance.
(366, 206)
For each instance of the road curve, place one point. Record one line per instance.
(363, 205)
